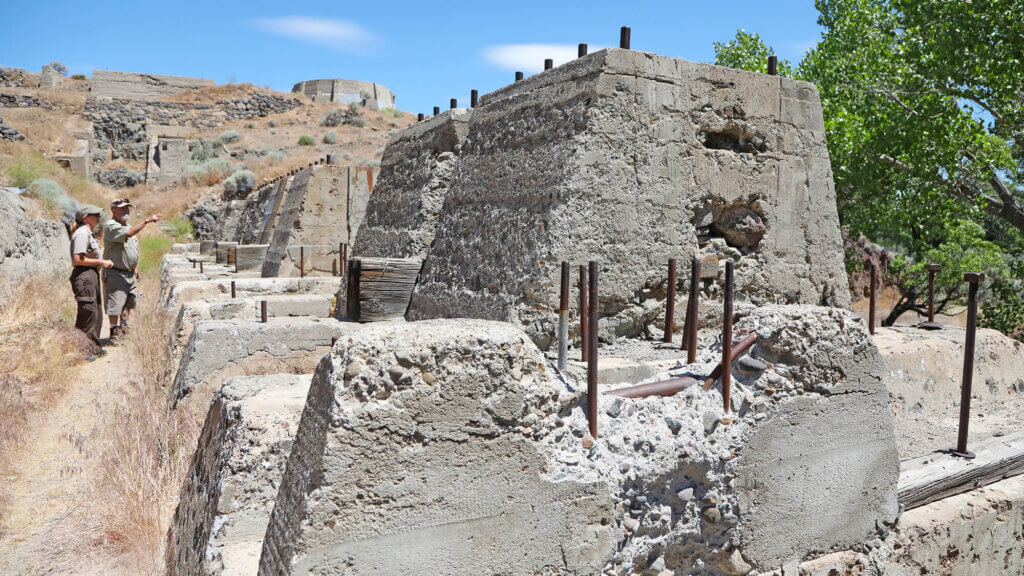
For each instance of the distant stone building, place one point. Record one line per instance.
(50, 78)
(369, 94)
(167, 157)
(111, 84)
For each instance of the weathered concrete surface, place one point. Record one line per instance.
(301, 305)
(220, 349)
(245, 287)
(249, 257)
(407, 457)
(440, 442)
(924, 377)
(324, 206)
(631, 158)
(227, 497)
(978, 533)
(415, 175)
(369, 94)
(138, 86)
(29, 246)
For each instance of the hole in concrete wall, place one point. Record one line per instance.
(733, 138)
(740, 224)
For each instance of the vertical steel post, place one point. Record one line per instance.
(454, 103)
(263, 311)
(581, 50)
(871, 302)
(344, 258)
(592, 352)
(931, 324)
(352, 292)
(200, 266)
(727, 336)
(302, 261)
(232, 289)
(670, 302)
(773, 65)
(419, 117)
(549, 63)
(692, 309)
(437, 110)
(624, 37)
(974, 278)
(563, 318)
(519, 76)
(584, 313)
(474, 96)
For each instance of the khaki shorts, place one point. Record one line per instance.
(121, 289)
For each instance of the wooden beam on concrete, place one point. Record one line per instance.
(938, 475)
(383, 287)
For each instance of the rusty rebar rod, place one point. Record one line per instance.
(302, 261)
(670, 301)
(419, 117)
(519, 76)
(692, 324)
(437, 110)
(474, 96)
(584, 313)
(773, 65)
(454, 103)
(592, 352)
(931, 324)
(263, 311)
(344, 258)
(563, 318)
(581, 50)
(974, 278)
(727, 336)
(549, 63)
(200, 266)
(871, 302)
(624, 37)
(232, 289)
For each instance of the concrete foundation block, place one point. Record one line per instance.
(227, 497)
(246, 287)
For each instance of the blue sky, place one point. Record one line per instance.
(426, 52)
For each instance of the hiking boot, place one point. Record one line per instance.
(96, 356)
(115, 336)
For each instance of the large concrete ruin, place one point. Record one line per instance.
(369, 94)
(449, 445)
(136, 86)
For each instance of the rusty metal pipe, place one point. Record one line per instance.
(200, 266)
(974, 278)
(419, 117)
(263, 311)
(549, 63)
(437, 110)
(584, 313)
(592, 352)
(692, 310)
(670, 302)
(773, 65)
(473, 98)
(624, 33)
(563, 319)
(581, 50)
(931, 324)
(232, 289)
(727, 336)
(302, 261)
(673, 386)
(454, 103)
(519, 76)
(871, 302)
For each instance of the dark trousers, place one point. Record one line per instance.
(85, 283)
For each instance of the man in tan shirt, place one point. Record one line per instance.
(121, 247)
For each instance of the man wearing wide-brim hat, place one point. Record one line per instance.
(85, 280)
(121, 247)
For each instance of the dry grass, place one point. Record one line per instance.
(144, 448)
(20, 164)
(222, 92)
(39, 350)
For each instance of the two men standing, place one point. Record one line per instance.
(120, 261)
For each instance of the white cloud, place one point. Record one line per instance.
(339, 35)
(530, 57)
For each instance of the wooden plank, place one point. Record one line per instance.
(385, 287)
(939, 475)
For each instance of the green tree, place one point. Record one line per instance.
(924, 112)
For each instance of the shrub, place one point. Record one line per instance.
(330, 138)
(277, 155)
(52, 197)
(203, 151)
(229, 136)
(180, 228)
(78, 77)
(393, 112)
(241, 182)
(59, 67)
(306, 140)
(272, 123)
(207, 172)
(248, 126)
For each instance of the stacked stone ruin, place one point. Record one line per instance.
(447, 442)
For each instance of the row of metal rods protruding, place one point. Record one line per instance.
(589, 309)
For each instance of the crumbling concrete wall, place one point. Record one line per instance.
(29, 246)
(187, 291)
(226, 499)
(324, 207)
(441, 442)
(631, 158)
(415, 175)
(369, 94)
(111, 84)
(167, 158)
